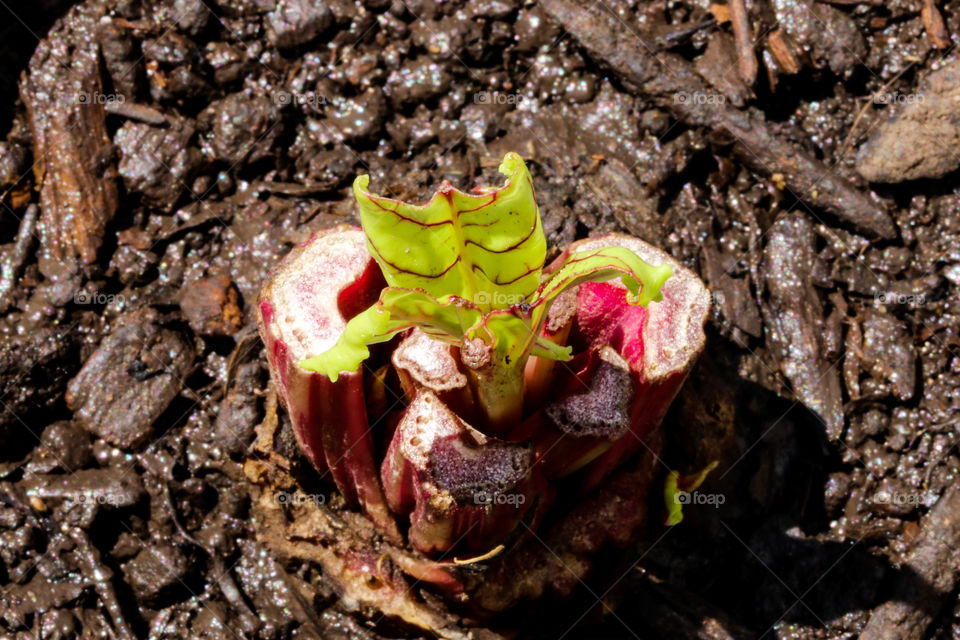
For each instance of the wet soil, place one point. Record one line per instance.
(160, 156)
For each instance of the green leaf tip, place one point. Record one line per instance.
(672, 499)
(397, 310)
(468, 266)
(677, 488)
(488, 247)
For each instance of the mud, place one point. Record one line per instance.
(817, 203)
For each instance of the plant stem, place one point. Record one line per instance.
(499, 391)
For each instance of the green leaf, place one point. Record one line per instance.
(600, 265)
(470, 266)
(544, 348)
(488, 248)
(506, 331)
(397, 310)
(671, 499)
(642, 280)
(676, 488)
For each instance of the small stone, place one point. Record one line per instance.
(417, 81)
(157, 162)
(130, 380)
(360, 117)
(920, 139)
(64, 446)
(156, 573)
(239, 127)
(211, 305)
(296, 22)
(239, 410)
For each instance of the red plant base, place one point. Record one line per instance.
(530, 505)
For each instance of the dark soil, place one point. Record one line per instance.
(162, 155)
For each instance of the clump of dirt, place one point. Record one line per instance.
(161, 156)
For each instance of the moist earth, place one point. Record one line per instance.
(159, 157)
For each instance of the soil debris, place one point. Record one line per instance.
(138, 225)
(665, 77)
(130, 379)
(794, 319)
(928, 575)
(211, 305)
(159, 163)
(921, 138)
(75, 169)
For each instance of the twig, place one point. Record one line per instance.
(746, 58)
(12, 262)
(100, 576)
(660, 77)
(927, 577)
(133, 111)
(873, 97)
(933, 24)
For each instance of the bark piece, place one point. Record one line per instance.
(829, 35)
(921, 139)
(794, 318)
(888, 353)
(13, 260)
(211, 305)
(157, 162)
(130, 380)
(746, 57)
(719, 66)
(32, 367)
(157, 573)
(241, 127)
(64, 446)
(927, 577)
(296, 22)
(661, 77)
(63, 94)
(110, 487)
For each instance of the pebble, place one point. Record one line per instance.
(212, 305)
(921, 138)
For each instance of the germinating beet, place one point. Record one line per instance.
(452, 425)
(510, 390)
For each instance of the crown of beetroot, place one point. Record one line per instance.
(466, 269)
(463, 435)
